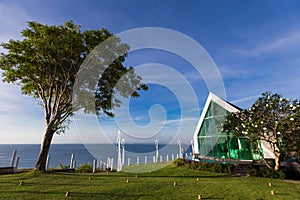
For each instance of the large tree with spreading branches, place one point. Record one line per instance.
(273, 119)
(46, 62)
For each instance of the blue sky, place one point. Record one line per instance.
(254, 44)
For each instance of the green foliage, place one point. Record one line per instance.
(32, 173)
(271, 118)
(62, 166)
(46, 62)
(46, 65)
(179, 162)
(263, 171)
(85, 168)
(204, 166)
(216, 167)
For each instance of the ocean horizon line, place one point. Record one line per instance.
(90, 143)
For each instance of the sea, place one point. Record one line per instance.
(86, 153)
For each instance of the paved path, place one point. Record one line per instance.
(292, 181)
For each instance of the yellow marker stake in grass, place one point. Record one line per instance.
(67, 193)
(270, 184)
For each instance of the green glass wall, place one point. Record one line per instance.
(215, 143)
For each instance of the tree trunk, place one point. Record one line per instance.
(277, 165)
(264, 160)
(41, 161)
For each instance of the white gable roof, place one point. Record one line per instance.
(221, 102)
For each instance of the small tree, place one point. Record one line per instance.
(45, 65)
(273, 119)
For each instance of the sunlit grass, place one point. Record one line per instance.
(154, 185)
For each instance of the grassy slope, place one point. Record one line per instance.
(154, 185)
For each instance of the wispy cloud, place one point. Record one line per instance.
(233, 72)
(244, 99)
(13, 21)
(184, 121)
(285, 40)
(15, 106)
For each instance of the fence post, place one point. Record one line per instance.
(108, 163)
(137, 160)
(172, 156)
(17, 163)
(94, 165)
(47, 162)
(12, 163)
(72, 161)
(167, 158)
(100, 164)
(74, 164)
(111, 164)
(128, 161)
(145, 159)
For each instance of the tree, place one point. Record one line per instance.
(273, 119)
(45, 65)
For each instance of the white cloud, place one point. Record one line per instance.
(21, 119)
(12, 19)
(244, 99)
(285, 40)
(184, 121)
(11, 99)
(233, 72)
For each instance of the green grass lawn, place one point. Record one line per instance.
(154, 185)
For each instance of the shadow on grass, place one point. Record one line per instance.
(218, 192)
(76, 195)
(103, 195)
(282, 194)
(146, 174)
(185, 177)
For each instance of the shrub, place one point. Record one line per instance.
(63, 166)
(85, 168)
(32, 173)
(209, 167)
(263, 171)
(205, 167)
(253, 172)
(217, 167)
(229, 168)
(191, 166)
(179, 162)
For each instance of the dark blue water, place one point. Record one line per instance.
(61, 153)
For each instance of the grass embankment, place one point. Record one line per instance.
(151, 185)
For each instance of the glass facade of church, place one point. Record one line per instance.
(215, 143)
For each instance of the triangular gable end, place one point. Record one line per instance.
(221, 102)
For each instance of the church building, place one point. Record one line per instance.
(211, 142)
